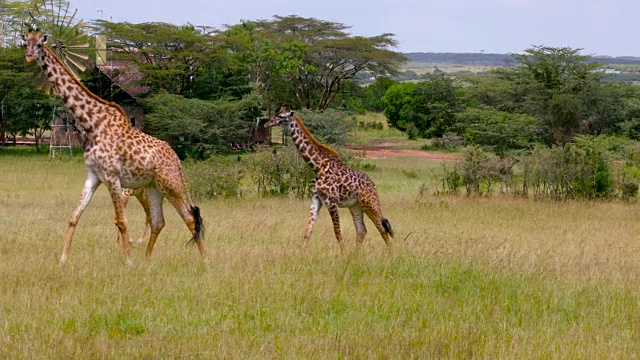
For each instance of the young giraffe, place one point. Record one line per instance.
(118, 155)
(336, 185)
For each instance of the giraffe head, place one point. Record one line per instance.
(282, 118)
(35, 44)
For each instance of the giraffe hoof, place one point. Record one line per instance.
(63, 260)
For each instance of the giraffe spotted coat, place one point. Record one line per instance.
(336, 185)
(117, 155)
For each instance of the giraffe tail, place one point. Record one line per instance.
(387, 226)
(199, 226)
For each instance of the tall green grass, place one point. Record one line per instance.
(464, 278)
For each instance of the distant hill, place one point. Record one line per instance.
(482, 59)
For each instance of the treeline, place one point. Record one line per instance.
(482, 59)
(221, 80)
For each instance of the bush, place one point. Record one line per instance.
(412, 131)
(329, 126)
(497, 130)
(375, 125)
(448, 142)
(197, 128)
(218, 176)
(280, 171)
(570, 172)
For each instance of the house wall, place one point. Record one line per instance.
(135, 114)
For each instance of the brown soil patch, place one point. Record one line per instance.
(384, 150)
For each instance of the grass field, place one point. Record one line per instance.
(464, 278)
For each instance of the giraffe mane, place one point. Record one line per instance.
(79, 83)
(325, 148)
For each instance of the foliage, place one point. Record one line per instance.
(497, 130)
(478, 173)
(448, 142)
(197, 128)
(363, 98)
(169, 57)
(218, 176)
(305, 62)
(25, 109)
(330, 126)
(582, 170)
(560, 88)
(431, 106)
(280, 171)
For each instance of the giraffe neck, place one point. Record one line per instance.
(311, 151)
(88, 109)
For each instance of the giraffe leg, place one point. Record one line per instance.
(120, 219)
(382, 224)
(143, 198)
(191, 216)
(358, 220)
(90, 185)
(316, 204)
(335, 218)
(126, 194)
(156, 216)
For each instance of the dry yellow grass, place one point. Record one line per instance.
(479, 278)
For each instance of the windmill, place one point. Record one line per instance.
(69, 40)
(70, 43)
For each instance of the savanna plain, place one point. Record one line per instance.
(465, 277)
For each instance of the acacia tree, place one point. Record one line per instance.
(263, 59)
(168, 56)
(310, 59)
(552, 84)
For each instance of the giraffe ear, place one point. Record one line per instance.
(24, 37)
(44, 38)
(290, 114)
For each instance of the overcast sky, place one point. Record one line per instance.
(493, 26)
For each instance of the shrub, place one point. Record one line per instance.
(218, 176)
(280, 171)
(448, 142)
(198, 128)
(329, 126)
(497, 130)
(412, 131)
(570, 172)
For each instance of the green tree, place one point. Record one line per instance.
(264, 58)
(168, 56)
(24, 108)
(553, 83)
(497, 130)
(430, 106)
(197, 128)
(397, 103)
(309, 60)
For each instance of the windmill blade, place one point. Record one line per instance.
(82, 45)
(78, 65)
(78, 55)
(54, 18)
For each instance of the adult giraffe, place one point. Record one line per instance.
(336, 185)
(119, 155)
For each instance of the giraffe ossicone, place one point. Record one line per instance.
(119, 156)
